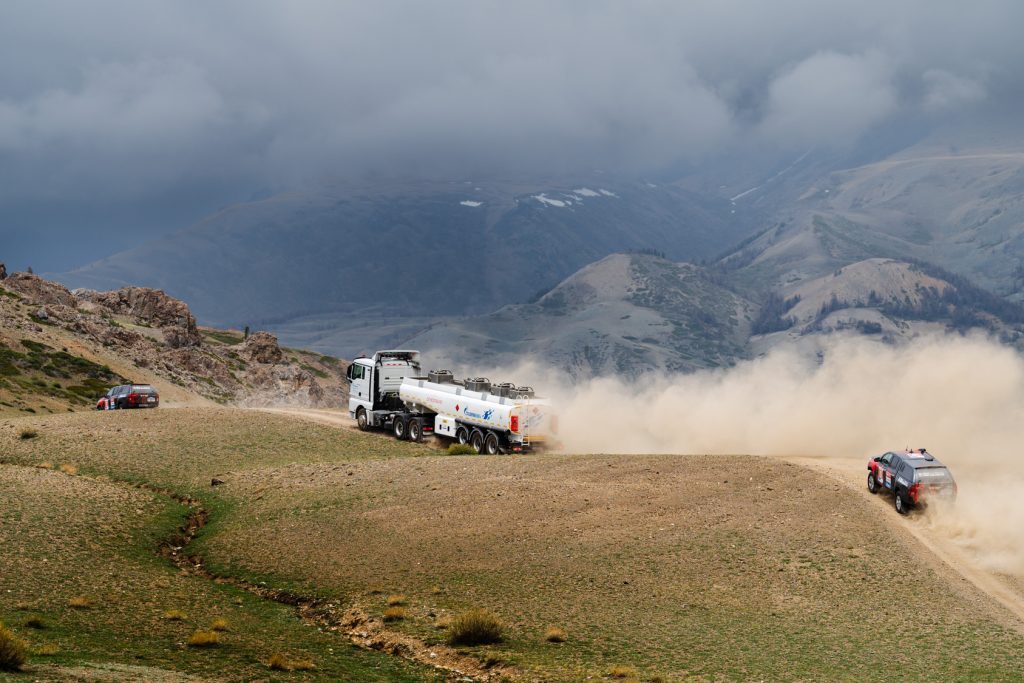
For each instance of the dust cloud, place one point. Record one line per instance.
(961, 397)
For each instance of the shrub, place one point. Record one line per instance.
(461, 449)
(282, 662)
(45, 649)
(68, 468)
(204, 638)
(396, 600)
(219, 625)
(555, 635)
(27, 434)
(443, 622)
(45, 465)
(475, 627)
(13, 650)
(35, 621)
(78, 602)
(174, 615)
(619, 671)
(394, 614)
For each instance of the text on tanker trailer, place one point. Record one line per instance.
(390, 391)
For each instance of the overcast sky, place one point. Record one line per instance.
(125, 119)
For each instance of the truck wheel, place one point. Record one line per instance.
(901, 506)
(362, 421)
(491, 444)
(462, 435)
(476, 440)
(872, 483)
(415, 431)
(400, 429)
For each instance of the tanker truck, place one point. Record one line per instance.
(390, 391)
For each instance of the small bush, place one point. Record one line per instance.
(204, 638)
(27, 434)
(45, 465)
(23, 606)
(78, 602)
(45, 649)
(282, 662)
(619, 671)
(174, 615)
(219, 625)
(13, 650)
(555, 635)
(436, 590)
(68, 468)
(396, 600)
(461, 449)
(35, 621)
(443, 622)
(475, 627)
(394, 614)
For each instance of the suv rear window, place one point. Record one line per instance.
(143, 389)
(934, 474)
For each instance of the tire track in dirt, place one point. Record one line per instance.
(851, 472)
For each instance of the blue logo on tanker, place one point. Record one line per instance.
(485, 416)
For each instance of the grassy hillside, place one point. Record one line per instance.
(683, 568)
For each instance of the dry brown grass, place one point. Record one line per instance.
(174, 615)
(443, 621)
(219, 624)
(35, 621)
(475, 627)
(68, 468)
(435, 590)
(394, 614)
(45, 649)
(79, 602)
(23, 606)
(204, 638)
(282, 662)
(555, 635)
(396, 600)
(47, 465)
(619, 671)
(13, 650)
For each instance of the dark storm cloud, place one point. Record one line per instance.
(124, 101)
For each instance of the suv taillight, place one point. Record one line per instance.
(914, 491)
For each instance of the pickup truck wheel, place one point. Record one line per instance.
(476, 440)
(491, 444)
(400, 428)
(901, 506)
(415, 431)
(462, 435)
(362, 421)
(872, 483)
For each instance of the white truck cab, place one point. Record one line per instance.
(375, 383)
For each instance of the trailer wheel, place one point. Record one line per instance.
(361, 420)
(416, 430)
(491, 444)
(462, 435)
(476, 440)
(400, 428)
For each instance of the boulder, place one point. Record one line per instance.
(150, 307)
(262, 347)
(40, 291)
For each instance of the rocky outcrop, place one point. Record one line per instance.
(3, 271)
(153, 308)
(38, 291)
(262, 347)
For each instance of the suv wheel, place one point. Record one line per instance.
(901, 505)
(872, 483)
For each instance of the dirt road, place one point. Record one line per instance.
(923, 527)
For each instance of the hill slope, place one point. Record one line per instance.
(61, 350)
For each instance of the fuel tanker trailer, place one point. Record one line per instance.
(390, 391)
